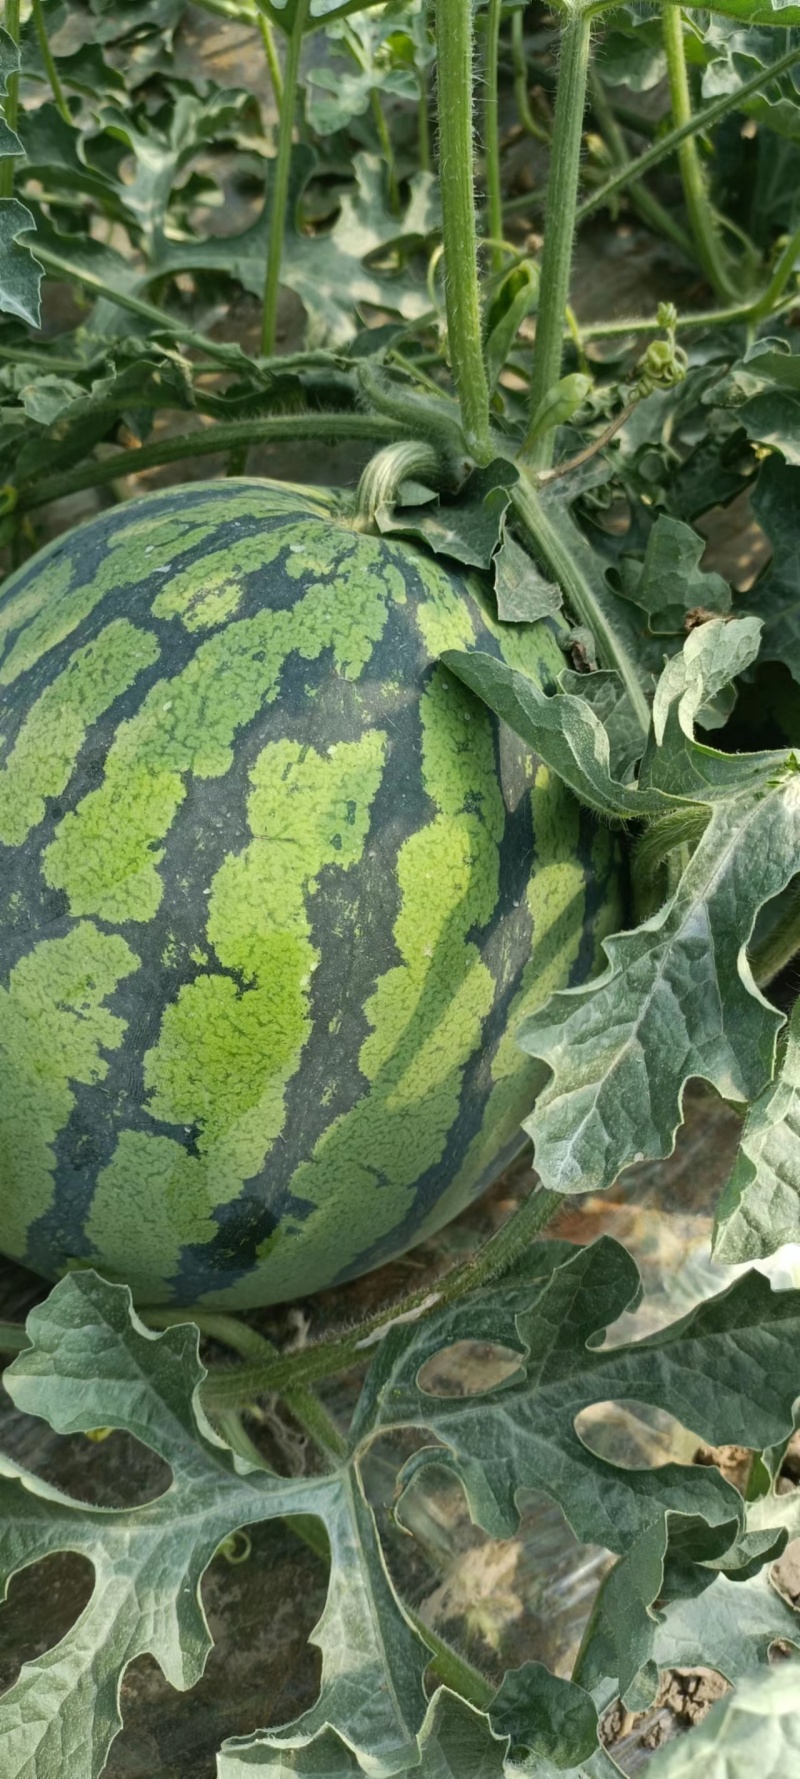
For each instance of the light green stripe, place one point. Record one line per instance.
(54, 1029)
(211, 589)
(225, 1054)
(49, 607)
(43, 758)
(106, 854)
(426, 1015)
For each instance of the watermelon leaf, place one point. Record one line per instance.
(564, 730)
(727, 1368)
(468, 529)
(20, 272)
(677, 999)
(763, 391)
(93, 1363)
(731, 1626)
(551, 1717)
(776, 594)
(760, 1206)
(709, 1369)
(668, 583)
(523, 594)
(332, 273)
(455, 1742)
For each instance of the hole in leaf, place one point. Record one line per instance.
(786, 1572)
(506, 1601)
(634, 1435)
(43, 1603)
(261, 1668)
(468, 1368)
(684, 1698)
(114, 1471)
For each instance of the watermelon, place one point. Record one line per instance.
(275, 891)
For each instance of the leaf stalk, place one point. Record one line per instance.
(710, 251)
(457, 181)
(11, 101)
(40, 25)
(650, 209)
(691, 126)
(227, 436)
(280, 178)
(491, 136)
(233, 1387)
(534, 520)
(241, 1338)
(559, 228)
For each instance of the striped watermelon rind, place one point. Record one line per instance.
(275, 892)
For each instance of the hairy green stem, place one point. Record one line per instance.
(700, 318)
(231, 1332)
(451, 1668)
(227, 1330)
(768, 303)
(385, 140)
(315, 1421)
(710, 251)
(779, 947)
(652, 212)
(11, 100)
(236, 1386)
(228, 436)
(457, 181)
(672, 834)
(49, 61)
(14, 1337)
(435, 416)
(423, 124)
(580, 598)
(228, 1422)
(271, 55)
(386, 471)
(529, 123)
(559, 228)
(280, 178)
(491, 136)
(670, 143)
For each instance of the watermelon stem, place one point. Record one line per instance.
(384, 475)
(161, 323)
(227, 436)
(229, 1331)
(559, 227)
(491, 137)
(271, 53)
(710, 249)
(457, 183)
(581, 598)
(780, 947)
(285, 1372)
(40, 26)
(280, 178)
(14, 1337)
(451, 1668)
(418, 414)
(10, 104)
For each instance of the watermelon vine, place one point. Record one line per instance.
(352, 837)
